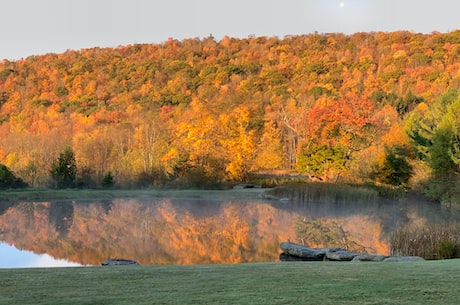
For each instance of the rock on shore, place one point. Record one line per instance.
(296, 252)
(118, 261)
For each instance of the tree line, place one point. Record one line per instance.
(364, 108)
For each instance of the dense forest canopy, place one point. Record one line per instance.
(369, 107)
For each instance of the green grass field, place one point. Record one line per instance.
(430, 282)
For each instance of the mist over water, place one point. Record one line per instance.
(178, 231)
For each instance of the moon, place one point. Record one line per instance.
(342, 4)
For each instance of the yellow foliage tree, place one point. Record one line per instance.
(269, 153)
(238, 139)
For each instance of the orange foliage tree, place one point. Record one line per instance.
(337, 129)
(220, 109)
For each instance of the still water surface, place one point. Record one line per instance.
(180, 231)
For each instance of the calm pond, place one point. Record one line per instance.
(194, 231)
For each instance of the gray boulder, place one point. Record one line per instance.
(246, 186)
(296, 252)
(306, 253)
(118, 261)
(403, 259)
(340, 255)
(290, 258)
(369, 258)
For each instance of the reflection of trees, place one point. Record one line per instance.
(357, 233)
(5, 205)
(154, 233)
(167, 232)
(26, 225)
(61, 216)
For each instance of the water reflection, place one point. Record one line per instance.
(166, 231)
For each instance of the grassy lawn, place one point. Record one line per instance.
(431, 282)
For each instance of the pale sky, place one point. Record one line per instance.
(34, 27)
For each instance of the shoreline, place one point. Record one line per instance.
(39, 195)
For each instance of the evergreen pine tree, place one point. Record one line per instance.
(64, 170)
(9, 180)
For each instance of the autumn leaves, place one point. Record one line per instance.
(200, 112)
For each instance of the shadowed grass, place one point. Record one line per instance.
(431, 282)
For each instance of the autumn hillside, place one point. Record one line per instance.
(370, 107)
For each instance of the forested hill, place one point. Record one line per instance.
(331, 106)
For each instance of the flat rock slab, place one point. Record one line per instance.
(118, 261)
(291, 258)
(296, 252)
(305, 253)
(369, 258)
(340, 255)
(403, 259)
(246, 186)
